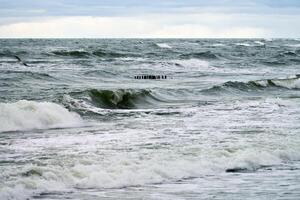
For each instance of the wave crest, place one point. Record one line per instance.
(121, 98)
(203, 55)
(27, 115)
(77, 54)
(103, 53)
(164, 45)
(287, 83)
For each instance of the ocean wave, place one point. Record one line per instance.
(164, 45)
(286, 54)
(109, 54)
(274, 62)
(122, 171)
(8, 53)
(101, 101)
(29, 74)
(27, 115)
(201, 55)
(293, 45)
(122, 98)
(243, 44)
(104, 73)
(75, 54)
(259, 43)
(130, 59)
(84, 54)
(287, 83)
(83, 107)
(218, 45)
(192, 64)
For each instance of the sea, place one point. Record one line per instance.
(75, 123)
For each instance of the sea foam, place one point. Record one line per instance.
(164, 45)
(26, 115)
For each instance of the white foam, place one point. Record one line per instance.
(259, 43)
(193, 63)
(268, 39)
(243, 44)
(164, 45)
(293, 45)
(125, 170)
(102, 161)
(290, 83)
(83, 105)
(26, 115)
(218, 45)
(198, 65)
(132, 59)
(287, 83)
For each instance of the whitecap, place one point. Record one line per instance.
(218, 45)
(289, 83)
(132, 59)
(164, 45)
(259, 43)
(243, 44)
(192, 63)
(293, 45)
(27, 115)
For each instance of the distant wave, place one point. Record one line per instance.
(27, 115)
(105, 53)
(104, 73)
(77, 54)
(192, 64)
(27, 74)
(293, 45)
(218, 45)
(274, 62)
(8, 53)
(288, 83)
(84, 54)
(283, 58)
(259, 43)
(243, 44)
(289, 53)
(203, 55)
(254, 44)
(164, 45)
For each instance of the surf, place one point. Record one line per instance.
(27, 115)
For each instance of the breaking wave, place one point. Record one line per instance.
(287, 83)
(121, 171)
(27, 115)
(8, 53)
(164, 45)
(122, 98)
(243, 44)
(28, 74)
(85, 54)
(104, 53)
(203, 55)
(77, 54)
(259, 43)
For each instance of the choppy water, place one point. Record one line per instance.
(75, 124)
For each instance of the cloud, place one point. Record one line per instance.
(156, 18)
(30, 8)
(116, 27)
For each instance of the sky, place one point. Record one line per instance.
(150, 19)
